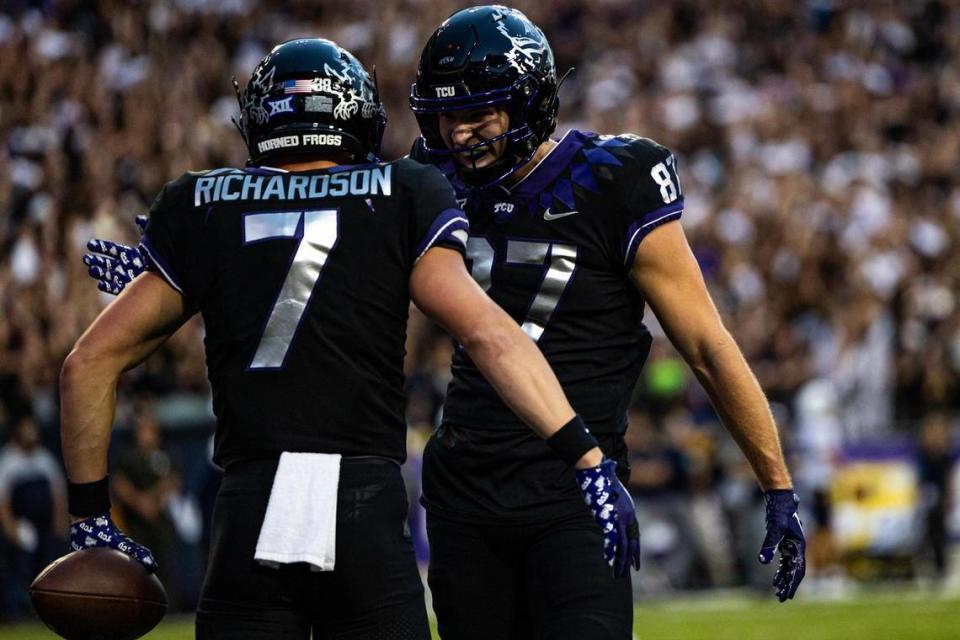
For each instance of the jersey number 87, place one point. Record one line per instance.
(665, 175)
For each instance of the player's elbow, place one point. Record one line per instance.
(76, 366)
(709, 355)
(487, 338)
(84, 361)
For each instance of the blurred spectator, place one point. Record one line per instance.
(818, 440)
(658, 482)
(822, 553)
(935, 463)
(863, 375)
(33, 512)
(713, 537)
(145, 482)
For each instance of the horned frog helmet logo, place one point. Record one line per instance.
(525, 52)
(253, 101)
(351, 99)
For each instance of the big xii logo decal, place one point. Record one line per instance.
(284, 105)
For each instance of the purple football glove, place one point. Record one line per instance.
(784, 532)
(114, 265)
(612, 508)
(100, 531)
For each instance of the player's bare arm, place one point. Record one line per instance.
(441, 287)
(122, 336)
(668, 275)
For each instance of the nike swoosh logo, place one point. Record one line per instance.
(556, 216)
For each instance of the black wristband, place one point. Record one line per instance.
(87, 499)
(572, 441)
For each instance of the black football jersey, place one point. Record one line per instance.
(302, 282)
(555, 250)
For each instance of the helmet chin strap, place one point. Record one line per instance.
(479, 178)
(482, 177)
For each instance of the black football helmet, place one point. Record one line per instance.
(310, 97)
(488, 56)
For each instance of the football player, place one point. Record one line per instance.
(303, 266)
(573, 238)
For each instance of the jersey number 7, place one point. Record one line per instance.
(317, 233)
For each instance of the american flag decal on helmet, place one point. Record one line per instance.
(298, 86)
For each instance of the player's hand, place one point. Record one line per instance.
(100, 531)
(114, 265)
(784, 532)
(612, 508)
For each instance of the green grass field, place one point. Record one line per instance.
(907, 615)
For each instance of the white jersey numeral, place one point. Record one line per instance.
(666, 179)
(318, 236)
(558, 261)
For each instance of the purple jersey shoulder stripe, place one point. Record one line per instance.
(160, 264)
(650, 221)
(551, 165)
(444, 226)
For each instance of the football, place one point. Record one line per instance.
(98, 594)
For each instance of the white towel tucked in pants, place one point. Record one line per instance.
(301, 520)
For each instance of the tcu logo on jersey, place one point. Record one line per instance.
(446, 92)
(503, 207)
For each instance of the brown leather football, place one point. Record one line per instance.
(98, 594)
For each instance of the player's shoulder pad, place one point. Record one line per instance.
(418, 152)
(643, 152)
(415, 175)
(187, 181)
(223, 171)
(176, 193)
(644, 172)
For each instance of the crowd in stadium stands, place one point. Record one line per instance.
(818, 146)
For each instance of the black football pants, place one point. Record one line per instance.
(374, 593)
(545, 581)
